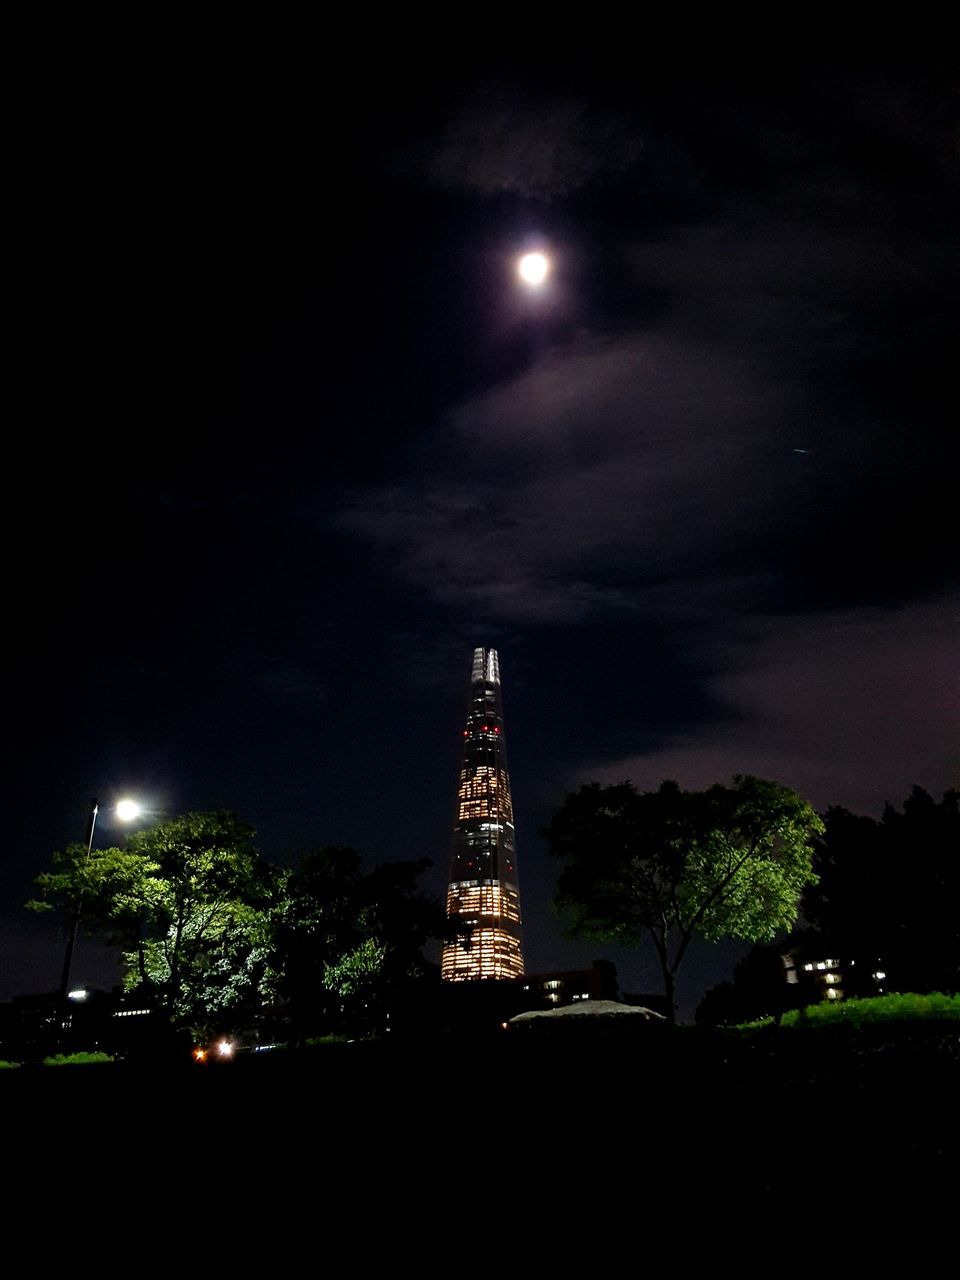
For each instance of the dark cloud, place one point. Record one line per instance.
(785, 394)
(507, 138)
(845, 705)
(605, 469)
(277, 675)
(735, 439)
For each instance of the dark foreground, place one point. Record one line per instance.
(658, 1128)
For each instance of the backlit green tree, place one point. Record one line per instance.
(664, 866)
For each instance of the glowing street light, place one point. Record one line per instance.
(127, 811)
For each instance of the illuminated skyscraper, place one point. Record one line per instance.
(483, 888)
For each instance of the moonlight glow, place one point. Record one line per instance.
(533, 268)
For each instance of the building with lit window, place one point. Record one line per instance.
(599, 982)
(483, 891)
(822, 978)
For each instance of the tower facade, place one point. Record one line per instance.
(483, 889)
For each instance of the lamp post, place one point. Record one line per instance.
(127, 811)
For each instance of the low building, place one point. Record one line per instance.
(569, 986)
(34, 1026)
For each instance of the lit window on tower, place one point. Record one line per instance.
(483, 890)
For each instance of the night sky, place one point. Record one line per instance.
(289, 440)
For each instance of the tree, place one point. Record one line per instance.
(887, 892)
(211, 934)
(185, 901)
(758, 990)
(667, 865)
(345, 945)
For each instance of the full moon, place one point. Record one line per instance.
(533, 268)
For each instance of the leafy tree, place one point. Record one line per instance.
(185, 901)
(888, 891)
(667, 865)
(312, 926)
(346, 945)
(758, 990)
(211, 934)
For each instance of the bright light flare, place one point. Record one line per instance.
(128, 810)
(533, 268)
(225, 1048)
(200, 1055)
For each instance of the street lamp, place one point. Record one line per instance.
(126, 811)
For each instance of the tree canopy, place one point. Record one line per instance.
(887, 890)
(211, 934)
(667, 865)
(344, 943)
(185, 902)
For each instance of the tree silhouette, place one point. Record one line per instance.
(667, 865)
(888, 891)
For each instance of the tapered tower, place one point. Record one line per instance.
(483, 888)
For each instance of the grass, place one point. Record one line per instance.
(76, 1059)
(896, 1007)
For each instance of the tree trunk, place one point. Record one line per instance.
(669, 990)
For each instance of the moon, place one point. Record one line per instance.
(533, 268)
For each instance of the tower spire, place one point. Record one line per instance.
(483, 890)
